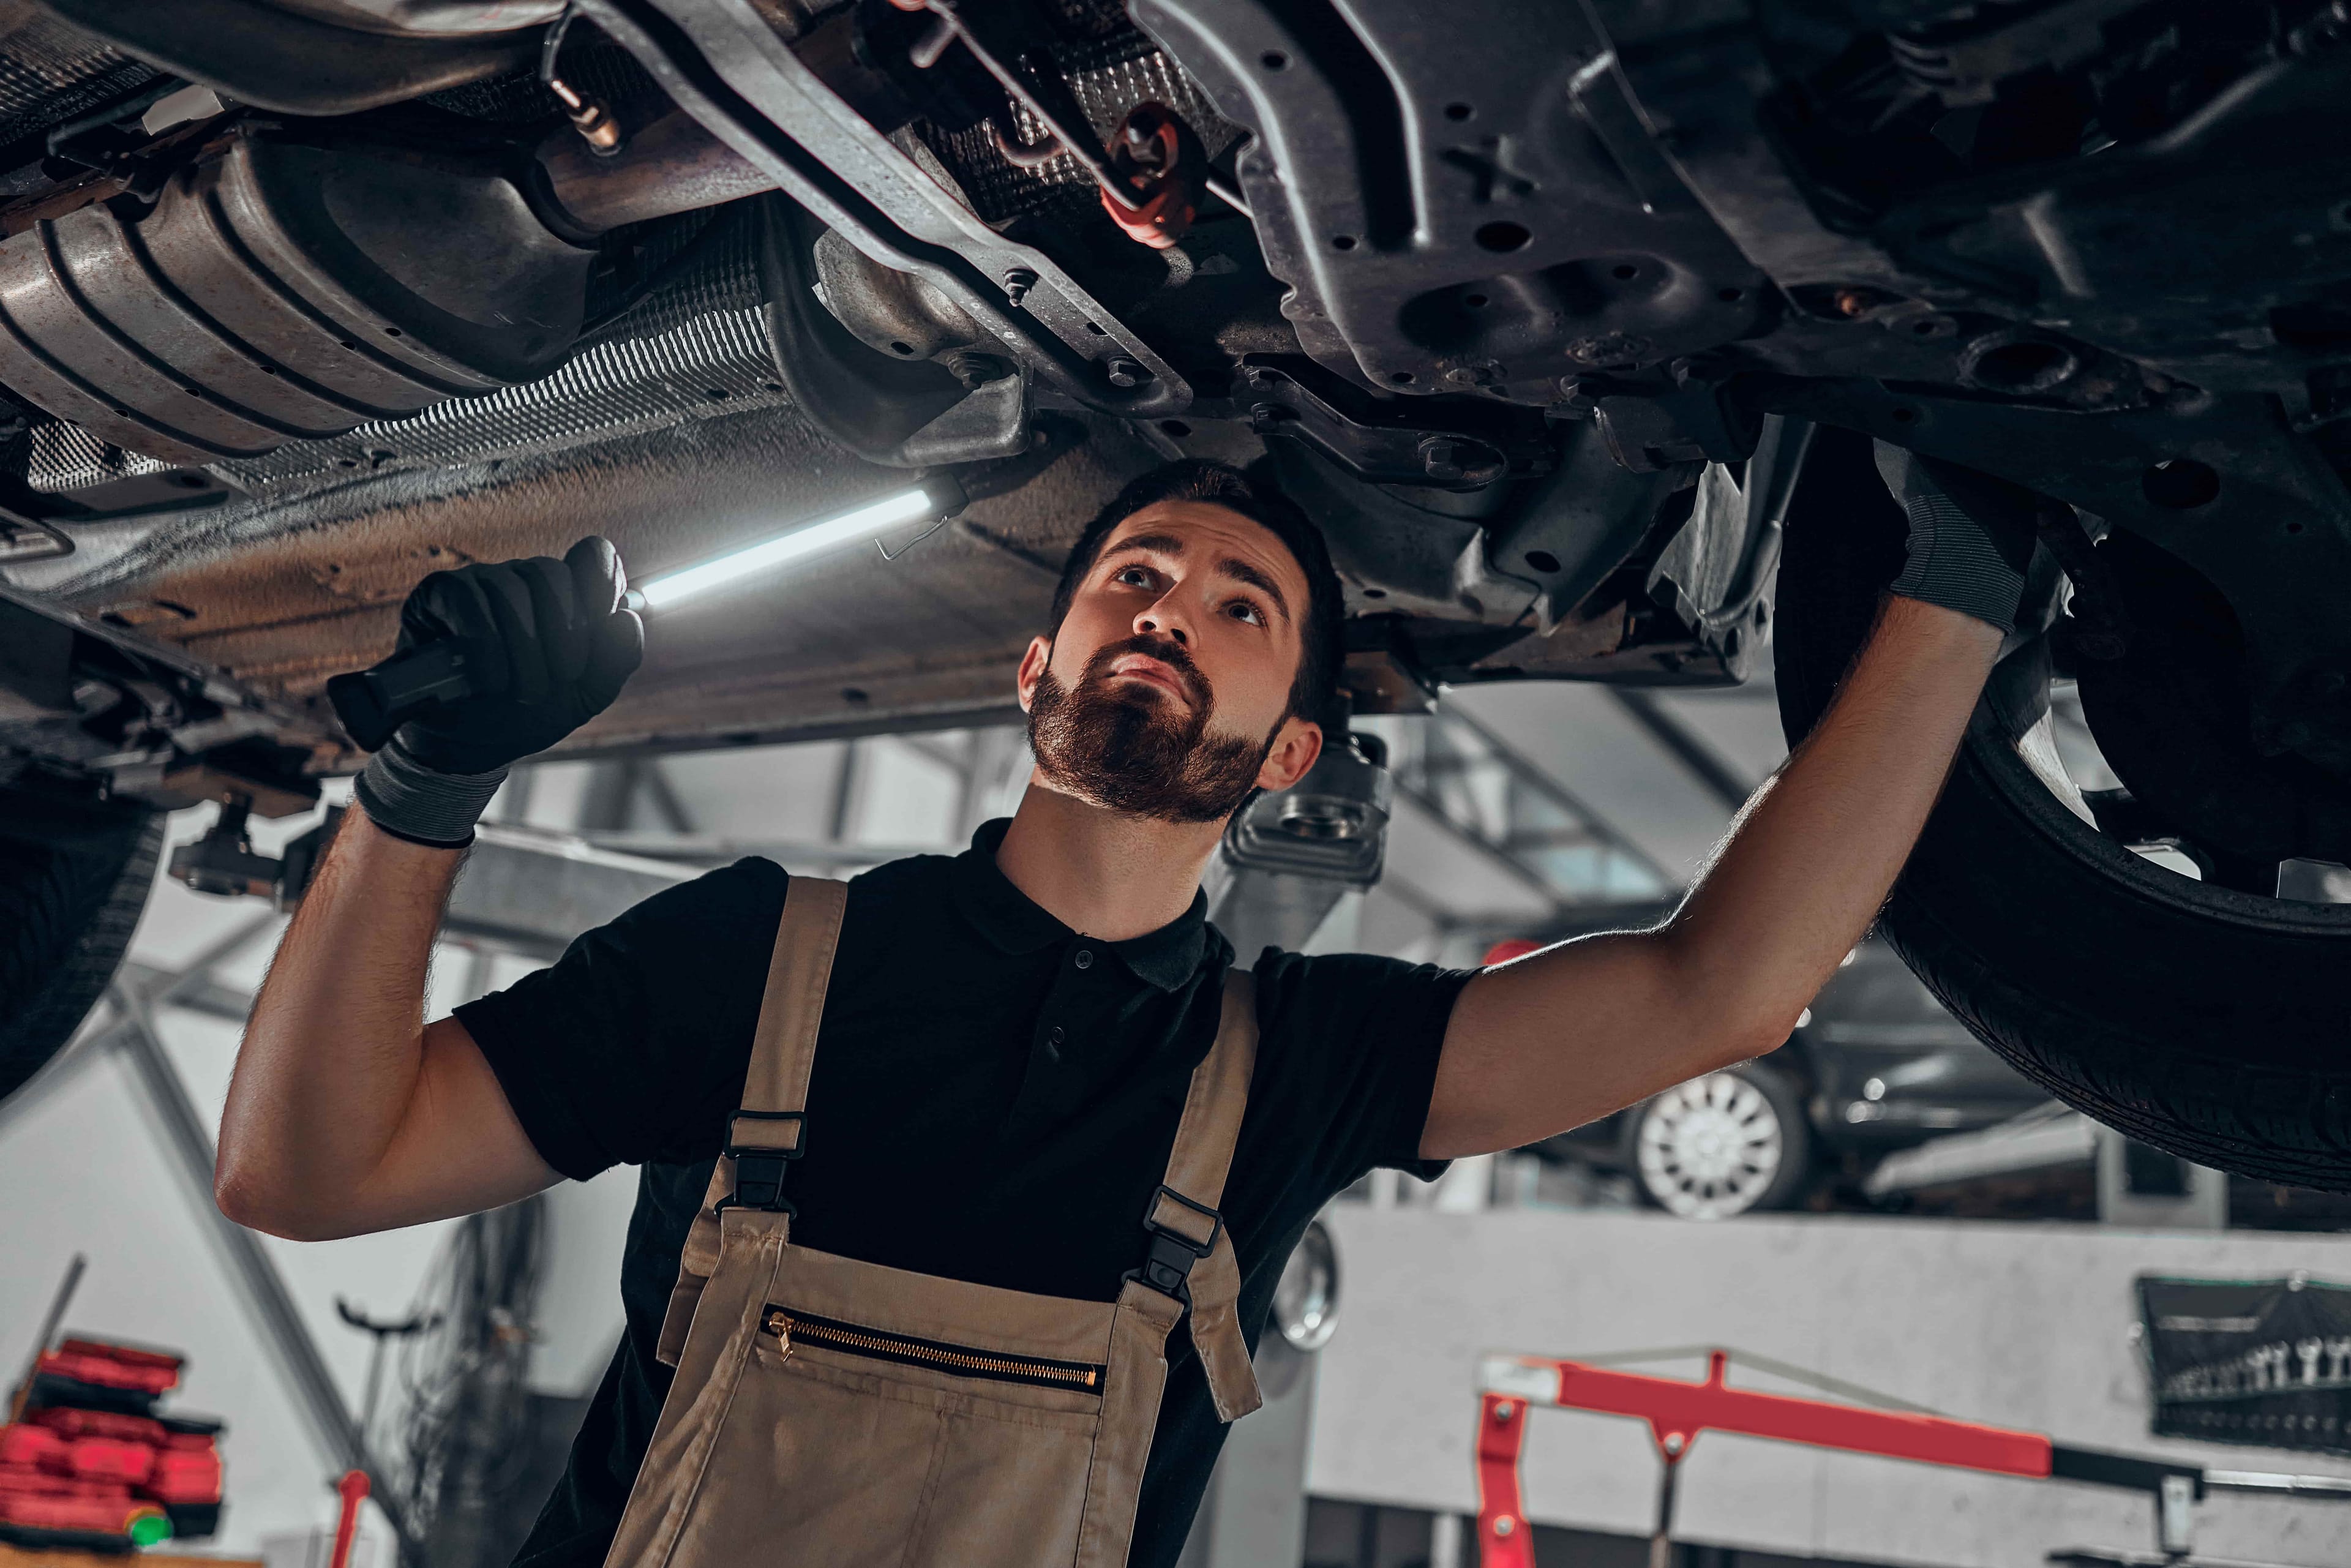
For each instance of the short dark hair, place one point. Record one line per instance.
(1256, 497)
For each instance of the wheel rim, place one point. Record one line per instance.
(1711, 1148)
(2174, 688)
(2046, 770)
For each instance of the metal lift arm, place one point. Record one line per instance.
(1678, 1410)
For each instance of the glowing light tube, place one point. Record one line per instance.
(937, 497)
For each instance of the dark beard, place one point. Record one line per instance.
(1132, 751)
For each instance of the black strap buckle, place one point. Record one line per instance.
(760, 1170)
(1167, 1262)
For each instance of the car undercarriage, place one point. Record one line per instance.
(1571, 324)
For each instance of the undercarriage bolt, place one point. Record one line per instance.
(1142, 145)
(973, 369)
(1017, 282)
(1126, 373)
(1441, 458)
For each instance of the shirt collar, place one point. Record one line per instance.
(1014, 922)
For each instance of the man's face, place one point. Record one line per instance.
(1166, 693)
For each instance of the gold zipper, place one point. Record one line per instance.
(795, 1328)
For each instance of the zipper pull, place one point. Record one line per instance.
(781, 1327)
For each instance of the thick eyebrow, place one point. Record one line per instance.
(1242, 572)
(1230, 566)
(1165, 544)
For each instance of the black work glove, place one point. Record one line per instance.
(549, 645)
(1971, 536)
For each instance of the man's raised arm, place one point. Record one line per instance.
(1568, 1034)
(347, 1113)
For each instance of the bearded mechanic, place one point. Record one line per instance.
(1009, 1033)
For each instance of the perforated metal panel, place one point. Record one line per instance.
(63, 458)
(51, 72)
(709, 364)
(1108, 79)
(694, 349)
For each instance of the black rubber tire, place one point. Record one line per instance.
(2206, 1022)
(74, 875)
(1793, 1179)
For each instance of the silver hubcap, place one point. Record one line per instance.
(1710, 1148)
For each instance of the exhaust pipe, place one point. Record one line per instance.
(672, 165)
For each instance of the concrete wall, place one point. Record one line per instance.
(2017, 1325)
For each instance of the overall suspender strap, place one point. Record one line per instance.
(770, 1130)
(1189, 1252)
(1189, 1270)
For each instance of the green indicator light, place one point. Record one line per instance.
(149, 1529)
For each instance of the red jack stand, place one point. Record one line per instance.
(353, 1489)
(1676, 1411)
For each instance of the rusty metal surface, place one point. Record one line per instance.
(672, 165)
(285, 592)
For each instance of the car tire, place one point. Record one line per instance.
(75, 874)
(2206, 1022)
(1727, 1144)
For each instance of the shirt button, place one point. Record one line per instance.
(1056, 1037)
(1085, 959)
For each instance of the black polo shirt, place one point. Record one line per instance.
(994, 1099)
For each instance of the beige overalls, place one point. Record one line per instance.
(832, 1414)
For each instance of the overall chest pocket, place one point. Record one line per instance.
(789, 1332)
(848, 1445)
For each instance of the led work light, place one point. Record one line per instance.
(937, 496)
(373, 702)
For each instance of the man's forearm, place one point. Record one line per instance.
(1552, 1040)
(1813, 855)
(333, 1051)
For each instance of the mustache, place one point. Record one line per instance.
(1166, 650)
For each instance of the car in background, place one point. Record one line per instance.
(1876, 1064)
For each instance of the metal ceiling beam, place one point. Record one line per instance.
(532, 893)
(134, 997)
(1452, 746)
(191, 986)
(1699, 760)
(188, 1145)
(1497, 854)
(702, 849)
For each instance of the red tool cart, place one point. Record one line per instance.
(1677, 1411)
(88, 1461)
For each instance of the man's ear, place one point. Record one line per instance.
(1032, 668)
(1296, 745)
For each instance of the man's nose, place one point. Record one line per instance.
(1165, 618)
